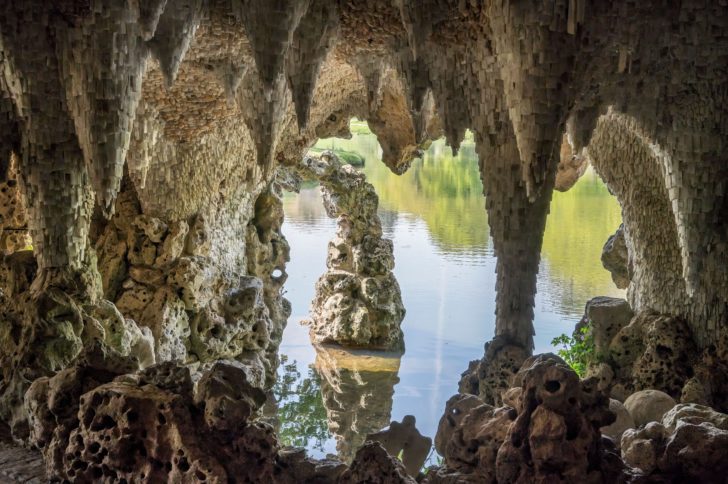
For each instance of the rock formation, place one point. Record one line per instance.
(358, 301)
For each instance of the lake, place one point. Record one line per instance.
(328, 400)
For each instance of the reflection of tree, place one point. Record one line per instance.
(357, 389)
(301, 415)
(579, 223)
(444, 191)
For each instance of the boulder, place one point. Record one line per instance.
(606, 316)
(648, 406)
(623, 422)
(693, 414)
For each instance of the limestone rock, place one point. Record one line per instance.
(373, 464)
(404, 439)
(474, 445)
(653, 351)
(615, 258)
(648, 406)
(456, 408)
(295, 467)
(358, 301)
(623, 422)
(606, 317)
(228, 396)
(572, 165)
(490, 377)
(552, 437)
(693, 414)
(642, 447)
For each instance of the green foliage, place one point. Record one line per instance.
(301, 412)
(578, 351)
(347, 157)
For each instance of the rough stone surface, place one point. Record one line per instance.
(373, 464)
(606, 316)
(358, 301)
(402, 439)
(691, 449)
(654, 351)
(615, 258)
(490, 377)
(199, 101)
(648, 406)
(623, 422)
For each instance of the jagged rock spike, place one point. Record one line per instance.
(104, 58)
(270, 25)
(263, 113)
(231, 75)
(173, 36)
(372, 71)
(534, 88)
(149, 13)
(312, 41)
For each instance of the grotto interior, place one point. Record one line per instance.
(143, 148)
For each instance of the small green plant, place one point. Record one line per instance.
(577, 350)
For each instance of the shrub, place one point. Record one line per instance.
(577, 350)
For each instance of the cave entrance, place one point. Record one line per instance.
(435, 215)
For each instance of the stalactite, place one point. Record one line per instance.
(535, 56)
(149, 13)
(174, 34)
(103, 60)
(263, 112)
(270, 26)
(312, 40)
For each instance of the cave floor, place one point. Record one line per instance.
(18, 464)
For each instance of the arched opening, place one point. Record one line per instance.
(435, 215)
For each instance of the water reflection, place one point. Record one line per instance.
(436, 218)
(357, 389)
(300, 416)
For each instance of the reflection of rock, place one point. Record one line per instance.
(404, 439)
(358, 301)
(615, 258)
(357, 389)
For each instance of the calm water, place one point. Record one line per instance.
(328, 400)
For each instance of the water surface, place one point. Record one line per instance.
(435, 214)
